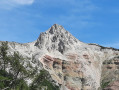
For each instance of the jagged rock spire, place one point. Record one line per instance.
(56, 38)
(55, 28)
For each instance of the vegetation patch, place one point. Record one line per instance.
(104, 84)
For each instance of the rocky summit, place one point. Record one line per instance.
(72, 64)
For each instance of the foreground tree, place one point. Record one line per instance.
(42, 82)
(16, 63)
(14, 78)
(3, 55)
(19, 72)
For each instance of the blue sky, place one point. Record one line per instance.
(91, 21)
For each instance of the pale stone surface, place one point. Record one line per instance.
(72, 64)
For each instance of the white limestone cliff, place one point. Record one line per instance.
(78, 61)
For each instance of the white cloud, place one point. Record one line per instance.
(8, 4)
(22, 2)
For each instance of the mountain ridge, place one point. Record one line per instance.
(72, 64)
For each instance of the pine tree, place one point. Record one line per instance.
(17, 65)
(3, 55)
(10, 80)
(43, 82)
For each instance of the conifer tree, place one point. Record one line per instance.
(3, 55)
(17, 65)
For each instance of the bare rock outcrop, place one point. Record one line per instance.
(72, 64)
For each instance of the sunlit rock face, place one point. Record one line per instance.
(56, 39)
(72, 64)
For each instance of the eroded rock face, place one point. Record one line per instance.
(110, 74)
(72, 64)
(66, 73)
(72, 74)
(113, 86)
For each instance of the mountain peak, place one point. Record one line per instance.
(56, 28)
(56, 25)
(56, 38)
